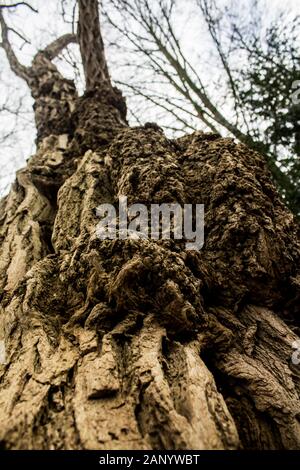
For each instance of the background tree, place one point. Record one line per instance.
(244, 88)
(261, 84)
(126, 344)
(265, 89)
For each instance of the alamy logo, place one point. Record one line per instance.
(296, 93)
(296, 353)
(158, 221)
(2, 352)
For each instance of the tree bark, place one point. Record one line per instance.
(141, 344)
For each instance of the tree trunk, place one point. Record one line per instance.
(141, 344)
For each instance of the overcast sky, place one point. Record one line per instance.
(40, 29)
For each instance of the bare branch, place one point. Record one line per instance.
(57, 46)
(161, 104)
(91, 45)
(20, 35)
(166, 49)
(213, 25)
(14, 5)
(18, 68)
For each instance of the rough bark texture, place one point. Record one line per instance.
(140, 344)
(93, 58)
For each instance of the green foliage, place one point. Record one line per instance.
(266, 88)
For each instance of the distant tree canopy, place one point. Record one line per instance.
(265, 89)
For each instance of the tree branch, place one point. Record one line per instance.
(19, 69)
(14, 5)
(56, 47)
(20, 35)
(91, 45)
